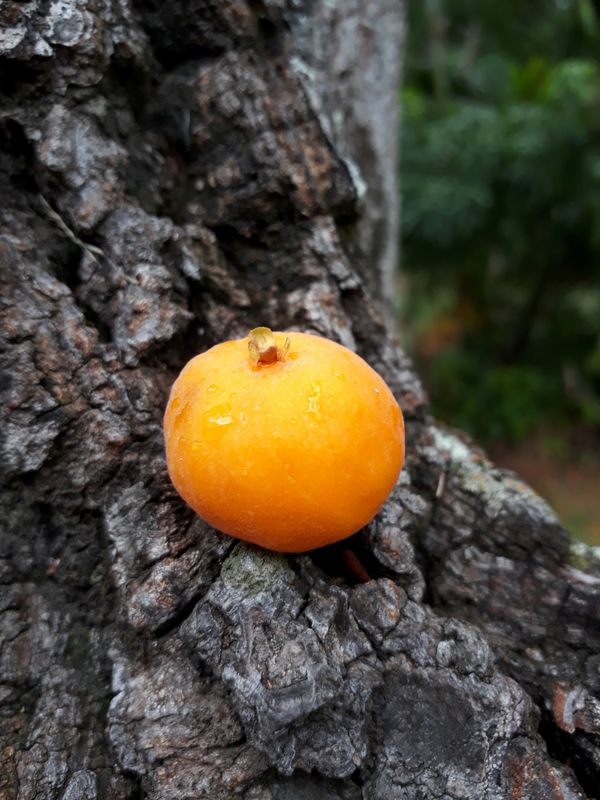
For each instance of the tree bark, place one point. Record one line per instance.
(172, 175)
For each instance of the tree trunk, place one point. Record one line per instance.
(173, 174)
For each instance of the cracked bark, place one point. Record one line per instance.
(173, 175)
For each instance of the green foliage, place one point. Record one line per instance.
(501, 402)
(501, 210)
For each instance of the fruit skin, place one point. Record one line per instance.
(290, 455)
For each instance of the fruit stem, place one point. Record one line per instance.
(262, 346)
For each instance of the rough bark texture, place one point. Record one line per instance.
(173, 174)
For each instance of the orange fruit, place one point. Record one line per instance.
(289, 441)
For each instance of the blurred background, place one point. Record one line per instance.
(499, 286)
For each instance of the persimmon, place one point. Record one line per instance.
(286, 440)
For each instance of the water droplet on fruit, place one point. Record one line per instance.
(220, 414)
(313, 399)
(212, 389)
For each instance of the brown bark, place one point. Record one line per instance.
(174, 174)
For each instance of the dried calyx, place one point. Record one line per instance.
(263, 347)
